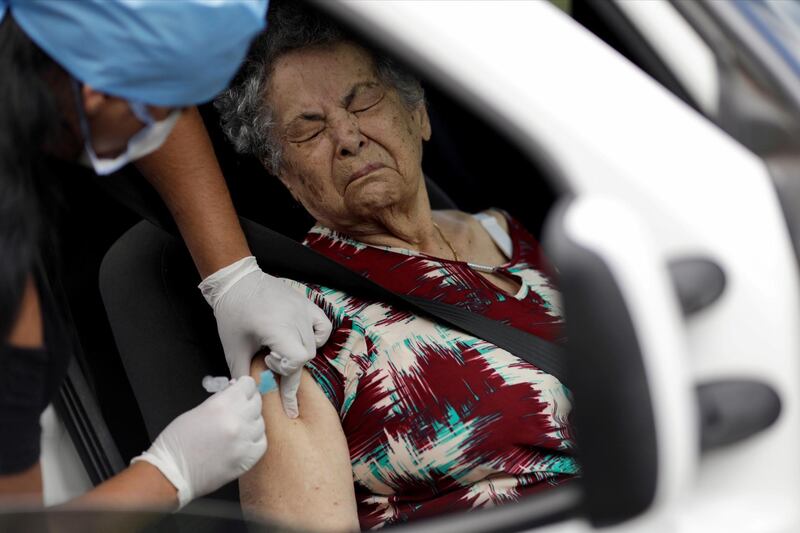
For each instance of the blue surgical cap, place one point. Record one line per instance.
(159, 52)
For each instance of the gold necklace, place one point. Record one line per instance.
(447, 242)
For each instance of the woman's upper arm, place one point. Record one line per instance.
(305, 478)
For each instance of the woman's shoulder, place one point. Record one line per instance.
(329, 300)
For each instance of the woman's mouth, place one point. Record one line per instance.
(363, 171)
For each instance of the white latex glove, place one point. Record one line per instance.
(214, 443)
(254, 310)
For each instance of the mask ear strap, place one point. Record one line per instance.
(82, 120)
(141, 112)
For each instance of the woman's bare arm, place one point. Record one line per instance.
(305, 479)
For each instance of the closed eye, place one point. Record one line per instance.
(307, 138)
(366, 98)
(370, 106)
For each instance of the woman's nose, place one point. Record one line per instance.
(349, 139)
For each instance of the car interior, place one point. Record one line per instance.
(144, 336)
(126, 381)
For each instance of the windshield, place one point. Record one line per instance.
(778, 22)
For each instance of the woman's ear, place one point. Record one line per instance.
(423, 121)
(280, 173)
(93, 101)
(285, 183)
(291, 191)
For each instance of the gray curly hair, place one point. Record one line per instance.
(247, 119)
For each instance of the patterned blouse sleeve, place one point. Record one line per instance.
(336, 367)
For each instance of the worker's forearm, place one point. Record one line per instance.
(23, 488)
(186, 174)
(141, 485)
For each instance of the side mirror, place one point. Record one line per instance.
(635, 412)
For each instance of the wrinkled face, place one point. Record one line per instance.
(351, 148)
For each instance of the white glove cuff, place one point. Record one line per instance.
(170, 472)
(218, 283)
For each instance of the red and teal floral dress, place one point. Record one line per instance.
(438, 420)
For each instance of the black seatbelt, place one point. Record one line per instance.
(283, 256)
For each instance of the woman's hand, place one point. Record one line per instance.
(253, 310)
(214, 443)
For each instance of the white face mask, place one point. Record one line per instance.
(143, 142)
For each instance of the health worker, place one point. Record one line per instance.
(106, 82)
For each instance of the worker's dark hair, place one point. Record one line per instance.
(29, 120)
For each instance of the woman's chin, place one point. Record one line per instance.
(370, 198)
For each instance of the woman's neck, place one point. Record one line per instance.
(411, 227)
(414, 232)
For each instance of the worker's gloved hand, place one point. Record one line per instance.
(254, 310)
(214, 443)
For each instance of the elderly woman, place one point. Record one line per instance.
(401, 418)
